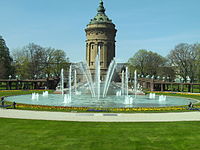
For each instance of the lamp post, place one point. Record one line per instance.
(163, 78)
(168, 79)
(17, 85)
(47, 76)
(35, 76)
(188, 79)
(182, 81)
(17, 77)
(158, 77)
(9, 82)
(189, 85)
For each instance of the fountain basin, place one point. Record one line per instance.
(111, 101)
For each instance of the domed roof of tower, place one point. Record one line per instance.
(101, 16)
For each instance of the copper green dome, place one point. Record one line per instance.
(101, 16)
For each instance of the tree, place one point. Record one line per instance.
(36, 61)
(5, 60)
(147, 63)
(28, 60)
(197, 49)
(168, 71)
(22, 66)
(55, 60)
(184, 58)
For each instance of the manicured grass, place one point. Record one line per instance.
(20, 92)
(53, 135)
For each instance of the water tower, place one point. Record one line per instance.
(100, 34)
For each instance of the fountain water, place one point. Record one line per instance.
(119, 93)
(62, 81)
(122, 83)
(35, 96)
(95, 86)
(46, 93)
(152, 96)
(97, 75)
(162, 98)
(70, 82)
(109, 76)
(128, 100)
(75, 84)
(86, 71)
(67, 99)
(135, 82)
(126, 81)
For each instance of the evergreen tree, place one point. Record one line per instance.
(5, 60)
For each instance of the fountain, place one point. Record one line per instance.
(62, 81)
(70, 83)
(67, 99)
(162, 98)
(92, 92)
(126, 81)
(45, 93)
(35, 96)
(75, 84)
(119, 93)
(122, 83)
(97, 87)
(128, 100)
(86, 71)
(152, 96)
(97, 75)
(135, 83)
(109, 76)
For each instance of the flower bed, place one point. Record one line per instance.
(88, 109)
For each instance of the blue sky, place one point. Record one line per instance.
(156, 25)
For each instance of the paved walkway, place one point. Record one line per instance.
(100, 117)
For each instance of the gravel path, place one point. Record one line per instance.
(100, 117)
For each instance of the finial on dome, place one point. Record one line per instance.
(101, 8)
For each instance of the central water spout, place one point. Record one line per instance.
(70, 82)
(62, 81)
(95, 85)
(98, 73)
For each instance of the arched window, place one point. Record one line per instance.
(92, 46)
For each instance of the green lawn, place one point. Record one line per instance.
(53, 135)
(21, 92)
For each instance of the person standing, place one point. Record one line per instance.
(2, 101)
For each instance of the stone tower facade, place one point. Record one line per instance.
(100, 34)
